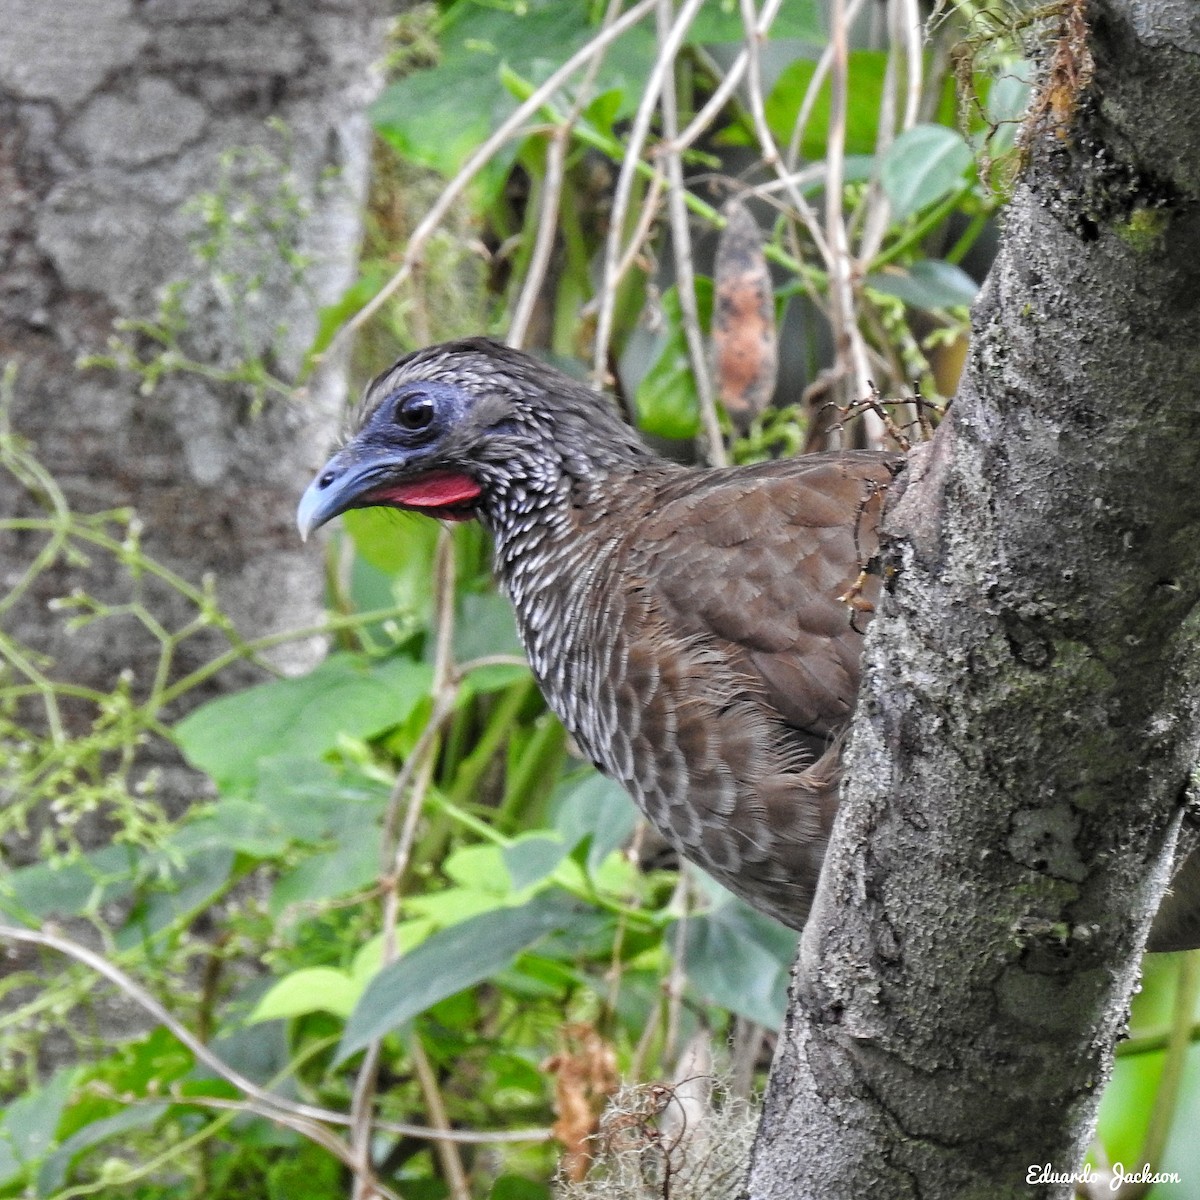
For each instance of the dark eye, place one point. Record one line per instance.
(415, 412)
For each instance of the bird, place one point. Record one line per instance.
(697, 629)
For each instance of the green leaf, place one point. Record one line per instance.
(517, 1187)
(307, 1171)
(327, 989)
(10, 1166)
(1008, 96)
(929, 284)
(613, 874)
(1128, 1100)
(594, 806)
(311, 989)
(1007, 99)
(1126, 1103)
(414, 115)
(741, 960)
(604, 110)
(313, 800)
(922, 165)
(449, 961)
(486, 626)
(721, 21)
(495, 677)
(370, 589)
(29, 1124)
(136, 1067)
(535, 977)
(175, 891)
(332, 317)
(304, 717)
(516, 85)
(260, 1052)
(666, 400)
(454, 905)
(350, 866)
(481, 869)
(368, 958)
(400, 544)
(70, 888)
(532, 858)
(53, 1174)
(241, 824)
(867, 69)
(294, 800)
(437, 116)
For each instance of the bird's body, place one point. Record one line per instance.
(685, 626)
(688, 625)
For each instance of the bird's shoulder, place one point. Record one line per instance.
(754, 561)
(809, 521)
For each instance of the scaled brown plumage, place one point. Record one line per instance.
(684, 623)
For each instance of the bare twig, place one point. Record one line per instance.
(677, 980)
(646, 219)
(465, 1137)
(907, 28)
(811, 176)
(685, 276)
(547, 233)
(824, 62)
(420, 754)
(747, 1044)
(851, 353)
(770, 151)
(720, 97)
(303, 1118)
(462, 670)
(877, 207)
(447, 1150)
(664, 63)
(413, 780)
(361, 1125)
(260, 1101)
(551, 196)
(905, 47)
(1166, 1098)
(508, 129)
(641, 1052)
(443, 689)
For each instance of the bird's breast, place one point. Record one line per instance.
(671, 719)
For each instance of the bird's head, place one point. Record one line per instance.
(470, 429)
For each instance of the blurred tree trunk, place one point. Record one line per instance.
(115, 115)
(1030, 715)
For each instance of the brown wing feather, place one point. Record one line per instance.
(758, 558)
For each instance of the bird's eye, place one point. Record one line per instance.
(415, 412)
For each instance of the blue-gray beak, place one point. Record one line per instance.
(360, 477)
(342, 482)
(315, 508)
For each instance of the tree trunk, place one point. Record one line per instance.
(1030, 712)
(114, 117)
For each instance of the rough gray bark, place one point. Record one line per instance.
(114, 114)
(1030, 713)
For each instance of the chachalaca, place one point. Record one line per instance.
(684, 623)
(690, 626)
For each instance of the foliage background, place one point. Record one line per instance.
(407, 944)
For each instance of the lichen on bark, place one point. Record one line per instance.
(1030, 712)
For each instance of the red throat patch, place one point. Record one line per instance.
(438, 489)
